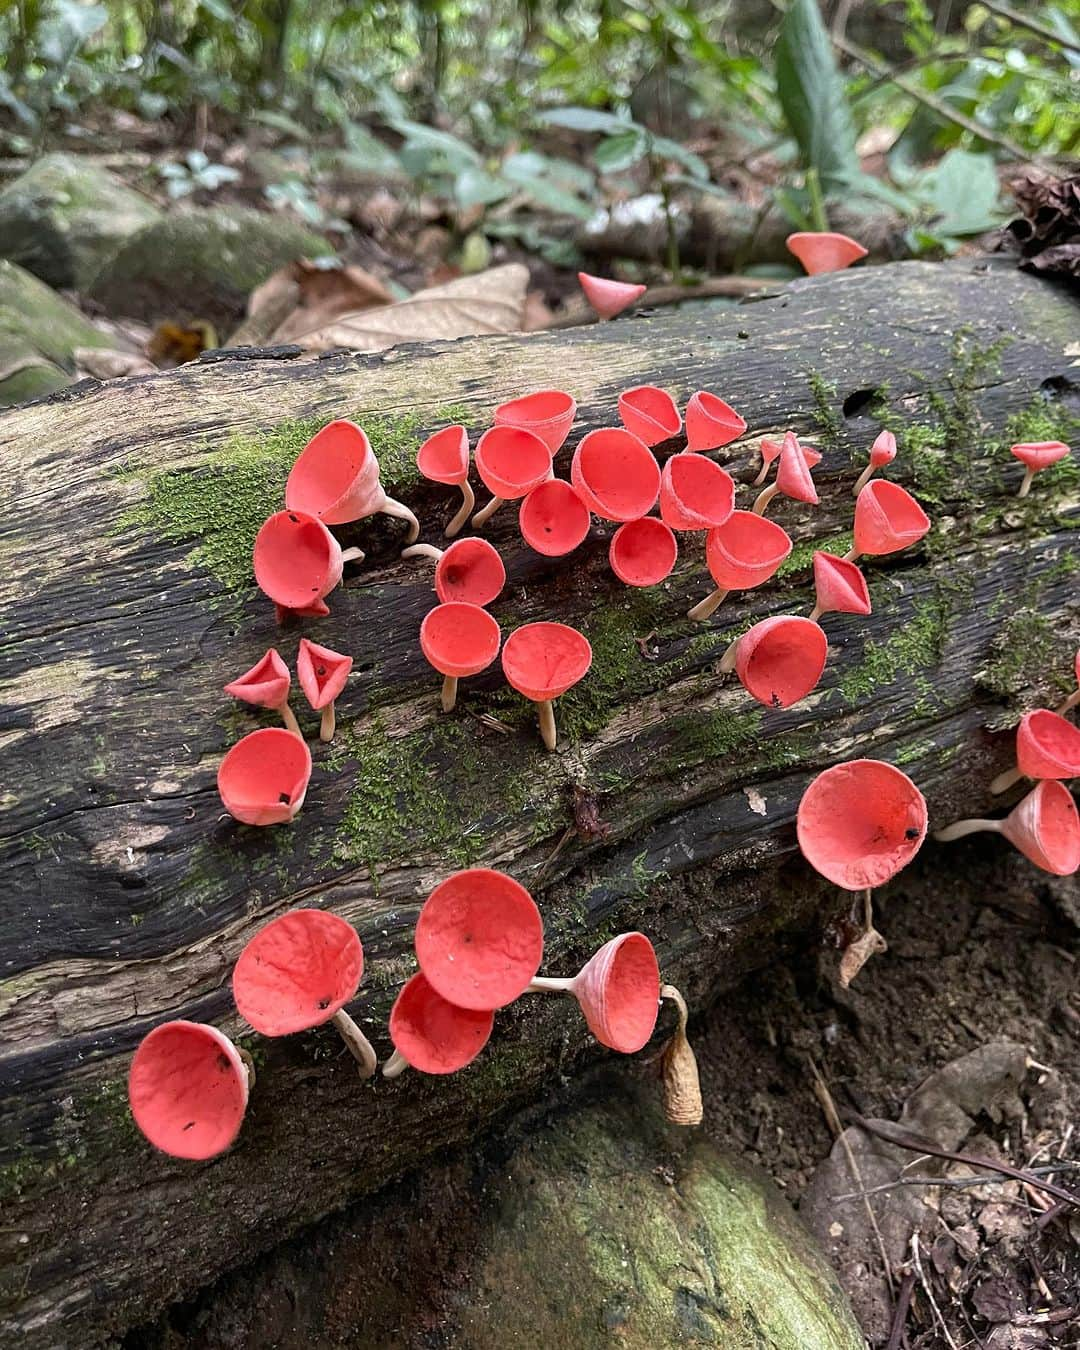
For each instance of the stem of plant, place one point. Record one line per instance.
(707, 607)
(726, 664)
(395, 1065)
(763, 473)
(486, 512)
(1070, 702)
(1004, 781)
(962, 827)
(401, 512)
(249, 1064)
(862, 480)
(1025, 485)
(468, 501)
(449, 693)
(548, 734)
(326, 727)
(764, 497)
(852, 554)
(289, 718)
(549, 984)
(422, 551)
(673, 260)
(818, 214)
(360, 1047)
(815, 614)
(352, 555)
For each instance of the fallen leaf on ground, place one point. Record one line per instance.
(321, 294)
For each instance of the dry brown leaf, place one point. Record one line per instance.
(537, 314)
(325, 294)
(866, 945)
(102, 363)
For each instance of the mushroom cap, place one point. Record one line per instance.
(649, 413)
(887, 518)
(780, 659)
(322, 672)
(434, 1035)
(619, 992)
(297, 972)
(745, 551)
(1047, 745)
(264, 777)
(643, 552)
(769, 449)
(479, 939)
(883, 451)
(266, 684)
(824, 251)
(859, 823)
(547, 413)
(553, 518)
(1045, 827)
(616, 474)
(297, 560)
(793, 474)
(188, 1089)
(695, 493)
(470, 570)
(444, 456)
(840, 585)
(512, 461)
(543, 660)
(336, 476)
(609, 297)
(812, 456)
(1039, 454)
(459, 639)
(710, 422)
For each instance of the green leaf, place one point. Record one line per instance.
(963, 188)
(618, 152)
(812, 96)
(475, 187)
(367, 152)
(545, 193)
(693, 164)
(584, 119)
(456, 151)
(279, 121)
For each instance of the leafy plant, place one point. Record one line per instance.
(195, 173)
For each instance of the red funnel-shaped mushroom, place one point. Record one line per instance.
(322, 674)
(547, 413)
(643, 552)
(266, 685)
(458, 640)
(887, 519)
(336, 477)
(618, 990)
(859, 823)
(742, 553)
(824, 251)
(542, 661)
(793, 477)
(609, 297)
(882, 452)
(479, 939)
(444, 458)
(1047, 746)
(511, 461)
(615, 474)
(649, 414)
(469, 570)
(1036, 456)
(188, 1089)
(710, 422)
(695, 493)
(433, 1035)
(779, 660)
(1044, 826)
(298, 972)
(264, 778)
(553, 518)
(298, 561)
(770, 451)
(840, 586)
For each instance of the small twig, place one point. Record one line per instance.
(903, 1303)
(929, 1292)
(949, 1183)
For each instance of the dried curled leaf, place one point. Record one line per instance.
(866, 945)
(679, 1070)
(1048, 234)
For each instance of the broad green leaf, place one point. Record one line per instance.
(367, 152)
(693, 164)
(812, 96)
(545, 193)
(584, 119)
(476, 187)
(618, 152)
(457, 152)
(963, 188)
(279, 121)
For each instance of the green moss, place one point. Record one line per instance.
(1023, 651)
(913, 647)
(1044, 420)
(801, 557)
(829, 420)
(702, 737)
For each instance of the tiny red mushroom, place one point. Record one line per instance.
(839, 585)
(264, 777)
(742, 553)
(458, 640)
(469, 569)
(770, 452)
(824, 251)
(444, 458)
(1036, 456)
(298, 972)
(188, 1089)
(1047, 746)
(615, 474)
(695, 493)
(298, 561)
(511, 462)
(650, 414)
(643, 552)
(887, 519)
(266, 685)
(1074, 697)
(1044, 826)
(609, 297)
(780, 660)
(432, 1034)
(618, 991)
(547, 413)
(553, 518)
(882, 452)
(793, 477)
(336, 477)
(542, 661)
(710, 422)
(322, 674)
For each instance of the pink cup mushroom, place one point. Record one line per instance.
(779, 660)
(298, 561)
(882, 452)
(322, 674)
(547, 413)
(188, 1089)
(264, 777)
(336, 477)
(840, 587)
(542, 661)
(458, 640)
(511, 461)
(695, 493)
(793, 477)
(711, 423)
(1036, 456)
(741, 554)
(609, 297)
(469, 570)
(618, 990)
(824, 251)
(643, 552)
(615, 474)
(433, 1035)
(1074, 697)
(553, 518)
(266, 685)
(1047, 746)
(650, 414)
(298, 972)
(444, 458)
(887, 519)
(770, 452)
(1044, 826)
(479, 939)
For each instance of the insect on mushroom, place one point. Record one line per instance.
(742, 553)
(264, 778)
(266, 685)
(650, 414)
(695, 493)
(882, 452)
(469, 569)
(336, 477)
(1044, 826)
(433, 1035)
(542, 661)
(458, 640)
(1036, 456)
(547, 413)
(609, 297)
(779, 661)
(511, 462)
(553, 518)
(322, 674)
(615, 474)
(824, 250)
(643, 552)
(887, 519)
(444, 458)
(710, 422)
(298, 561)
(1047, 746)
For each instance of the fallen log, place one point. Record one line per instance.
(128, 602)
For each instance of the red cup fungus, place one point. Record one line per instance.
(887, 519)
(695, 493)
(1036, 456)
(542, 661)
(322, 674)
(711, 423)
(1047, 746)
(643, 552)
(609, 297)
(770, 451)
(650, 414)
(433, 1035)
(553, 518)
(615, 474)
(336, 477)
(458, 640)
(470, 570)
(840, 587)
(742, 553)
(1044, 826)
(547, 413)
(824, 251)
(882, 452)
(793, 477)
(779, 660)
(298, 561)
(511, 462)
(618, 991)
(264, 777)
(444, 458)
(266, 685)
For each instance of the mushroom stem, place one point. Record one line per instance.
(862, 480)
(678, 1067)
(449, 692)
(1069, 703)
(707, 607)
(422, 551)
(326, 727)
(468, 501)
(289, 718)
(961, 827)
(249, 1064)
(549, 984)
(815, 614)
(726, 664)
(548, 734)
(764, 497)
(486, 512)
(852, 554)
(763, 473)
(1025, 484)
(359, 1046)
(1004, 781)
(352, 555)
(401, 512)
(395, 1065)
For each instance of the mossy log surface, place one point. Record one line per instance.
(127, 603)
